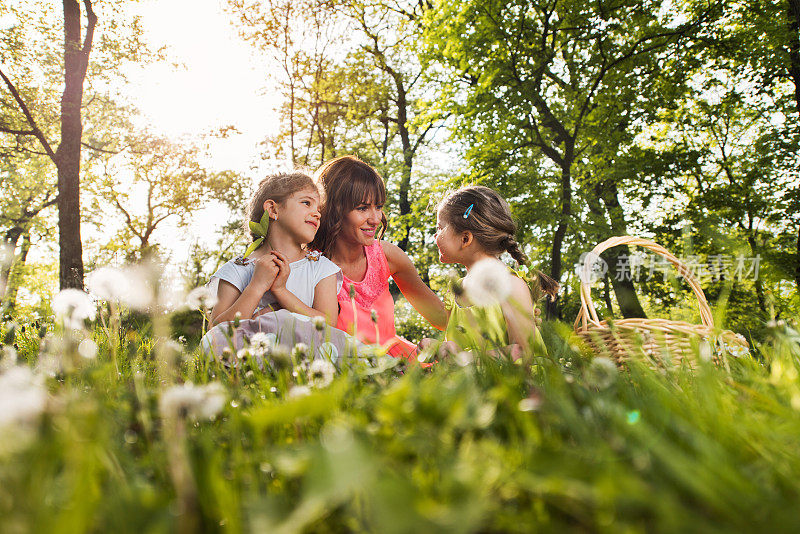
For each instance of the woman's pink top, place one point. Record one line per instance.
(372, 293)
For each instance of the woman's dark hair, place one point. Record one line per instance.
(347, 182)
(277, 187)
(482, 212)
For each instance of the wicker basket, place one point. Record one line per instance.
(661, 340)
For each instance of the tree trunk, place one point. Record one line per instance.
(552, 307)
(68, 155)
(10, 241)
(621, 278)
(404, 204)
(762, 301)
(797, 261)
(607, 295)
(15, 276)
(793, 13)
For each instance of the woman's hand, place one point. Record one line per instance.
(446, 348)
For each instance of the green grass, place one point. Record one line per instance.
(449, 449)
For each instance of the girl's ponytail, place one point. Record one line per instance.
(512, 247)
(549, 286)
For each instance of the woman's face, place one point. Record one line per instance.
(362, 223)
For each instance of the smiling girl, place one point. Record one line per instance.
(350, 233)
(281, 273)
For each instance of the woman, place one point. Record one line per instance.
(350, 234)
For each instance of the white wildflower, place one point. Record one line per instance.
(23, 396)
(736, 351)
(193, 402)
(201, 298)
(488, 282)
(464, 358)
(320, 373)
(329, 351)
(243, 354)
(300, 351)
(72, 307)
(107, 283)
(319, 323)
(261, 343)
(298, 391)
(87, 349)
(49, 365)
(8, 357)
(138, 293)
(602, 373)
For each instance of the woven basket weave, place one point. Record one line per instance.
(661, 340)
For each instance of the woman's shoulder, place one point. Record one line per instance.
(394, 255)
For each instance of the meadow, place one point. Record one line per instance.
(110, 424)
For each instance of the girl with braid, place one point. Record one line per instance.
(493, 308)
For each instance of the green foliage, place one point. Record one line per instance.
(571, 442)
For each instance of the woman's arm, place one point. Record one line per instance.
(324, 304)
(413, 288)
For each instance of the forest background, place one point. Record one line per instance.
(676, 121)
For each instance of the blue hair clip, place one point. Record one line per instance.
(469, 210)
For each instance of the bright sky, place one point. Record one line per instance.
(218, 81)
(212, 78)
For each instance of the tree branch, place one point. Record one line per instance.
(98, 149)
(6, 129)
(36, 131)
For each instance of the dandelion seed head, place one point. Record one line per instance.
(72, 307)
(488, 282)
(300, 351)
(281, 357)
(108, 283)
(87, 348)
(201, 298)
(298, 391)
(319, 323)
(602, 373)
(261, 343)
(320, 373)
(193, 402)
(23, 396)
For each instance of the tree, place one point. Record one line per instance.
(352, 84)
(550, 93)
(67, 156)
(32, 49)
(149, 182)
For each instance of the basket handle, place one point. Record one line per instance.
(588, 313)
